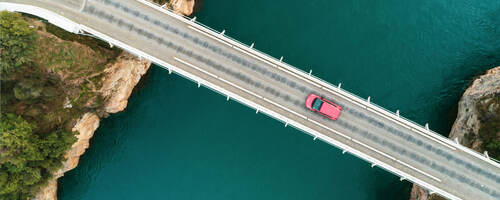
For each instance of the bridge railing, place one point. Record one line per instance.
(345, 93)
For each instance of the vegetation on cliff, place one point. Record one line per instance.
(489, 129)
(16, 39)
(49, 79)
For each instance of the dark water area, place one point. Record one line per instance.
(415, 56)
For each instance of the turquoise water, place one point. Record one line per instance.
(416, 56)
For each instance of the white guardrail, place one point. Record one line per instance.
(70, 26)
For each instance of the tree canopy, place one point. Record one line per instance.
(16, 43)
(27, 159)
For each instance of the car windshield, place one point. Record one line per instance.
(317, 104)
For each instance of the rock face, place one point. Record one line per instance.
(122, 76)
(467, 125)
(184, 7)
(85, 127)
(482, 90)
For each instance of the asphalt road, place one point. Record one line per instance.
(267, 83)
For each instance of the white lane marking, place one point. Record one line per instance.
(189, 64)
(218, 78)
(284, 108)
(256, 57)
(328, 128)
(209, 35)
(236, 86)
(373, 149)
(232, 84)
(83, 5)
(409, 166)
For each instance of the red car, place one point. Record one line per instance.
(322, 106)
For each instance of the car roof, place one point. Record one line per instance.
(329, 109)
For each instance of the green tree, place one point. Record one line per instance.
(493, 149)
(27, 159)
(18, 146)
(17, 43)
(53, 147)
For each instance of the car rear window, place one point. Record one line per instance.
(317, 104)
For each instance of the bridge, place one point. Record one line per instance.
(271, 86)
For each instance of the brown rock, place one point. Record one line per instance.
(49, 192)
(184, 7)
(120, 80)
(418, 193)
(85, 127)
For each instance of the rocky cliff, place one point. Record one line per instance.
(477, 120)
(121, 77)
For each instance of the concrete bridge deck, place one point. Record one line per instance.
(277, 89)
